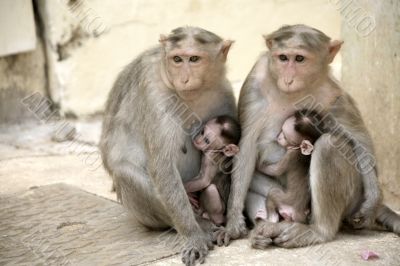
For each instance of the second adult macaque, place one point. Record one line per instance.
(218, 141)
(294, 74)
(299, 132)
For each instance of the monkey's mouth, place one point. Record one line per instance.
(188, 93)
(197, 143)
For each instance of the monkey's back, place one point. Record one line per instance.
(126, 109)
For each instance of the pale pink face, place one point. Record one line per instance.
(294, 68)
(210, 137)
(289, 137)
(188, 70)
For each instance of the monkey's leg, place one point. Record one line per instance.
(211, 201)
(260, 187)
(263, 184)
(255, 207)
(285, 203)
(256, 203)
(335, 187)
(138, 195)
(271, 211)
(140, 198)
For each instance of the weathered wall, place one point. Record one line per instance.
(90, 41)
(24, 73)
(20, 76)
(371, 73)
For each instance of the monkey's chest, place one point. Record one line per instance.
(268, 149)
(270, 153)
(189, 160)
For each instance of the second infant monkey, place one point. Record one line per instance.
(299, 132)
(218, 141)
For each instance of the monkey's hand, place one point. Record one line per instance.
(196, 248)
(235, 228)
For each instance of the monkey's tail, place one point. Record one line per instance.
(388, 218)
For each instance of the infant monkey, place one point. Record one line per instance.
(218, 140)
(299, 132)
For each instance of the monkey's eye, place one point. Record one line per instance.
(283, 57)
(207, 141)
(194, 58)
(202, 132)
(177, 59)
(299, 58)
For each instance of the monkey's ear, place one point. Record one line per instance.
(226, 45)
(163, 39)
(230, 150)
(334, 47)
(306, 147)
(268, 41)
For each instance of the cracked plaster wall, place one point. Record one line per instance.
(371, 74)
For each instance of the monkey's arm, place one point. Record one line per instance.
(244, 163)
(348, 116)
(207, 173)
(279, 168)
(163, 171)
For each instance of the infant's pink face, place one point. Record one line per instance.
(288, 136)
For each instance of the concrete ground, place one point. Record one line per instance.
(37, 155)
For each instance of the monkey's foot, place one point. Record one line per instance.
(263, 233)
(260, 215)
(361, 220)
(235, 228)
(292, 235)
(196, 249)
(206, 225)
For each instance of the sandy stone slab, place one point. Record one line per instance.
(62, 225)
(345, 250)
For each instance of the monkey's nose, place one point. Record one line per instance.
(289, 82)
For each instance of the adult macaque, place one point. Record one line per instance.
(156, 106)
(292, 75)
(299, 133)
(218, 142)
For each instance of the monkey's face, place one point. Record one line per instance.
(187, 71)
(289, 137)
(294, 69)
(209, 137)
